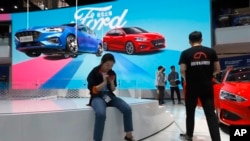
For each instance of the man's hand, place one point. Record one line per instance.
(111, 78)
(105, 77)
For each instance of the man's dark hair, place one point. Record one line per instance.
(163, 69)
(195, 36)
(160, 67)
(172, 67)
(108, 57)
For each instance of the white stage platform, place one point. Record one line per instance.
(71, 120)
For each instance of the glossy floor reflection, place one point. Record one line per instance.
(172, 132)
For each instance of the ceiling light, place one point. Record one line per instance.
(15, 7)
(1, 9)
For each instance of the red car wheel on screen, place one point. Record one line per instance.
(133, 40)
(232, 96)
(129, 47)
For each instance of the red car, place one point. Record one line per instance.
(132, 40)
(232, 96)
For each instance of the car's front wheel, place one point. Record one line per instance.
(105, 46)
(100, 50)
(72, 45)
(67, 55)
(74, 55)
(33, 53)
(129, 48)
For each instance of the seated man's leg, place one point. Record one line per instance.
(126, 111)
(99, 106)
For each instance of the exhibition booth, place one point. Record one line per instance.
(46, 95)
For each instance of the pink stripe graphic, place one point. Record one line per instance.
(5, 17)
(33, 73)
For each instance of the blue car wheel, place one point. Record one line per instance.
(100, 50)
(33, 53)
(105, 46)
(72, 46)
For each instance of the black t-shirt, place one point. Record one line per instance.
(200, 65)
(95, 78)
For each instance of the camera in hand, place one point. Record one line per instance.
(111, 74)
(177, 82)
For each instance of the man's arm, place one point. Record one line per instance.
(216, 68)
(183, 68)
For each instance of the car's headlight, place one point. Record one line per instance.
(56, 29)
(230, 96)
(140, 39)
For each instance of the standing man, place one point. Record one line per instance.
(173, 78)
(198, 64)
(160, 81)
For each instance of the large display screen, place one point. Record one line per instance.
(148, 34)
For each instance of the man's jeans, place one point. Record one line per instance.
(99, 106)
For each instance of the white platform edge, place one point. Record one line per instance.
(77, 124)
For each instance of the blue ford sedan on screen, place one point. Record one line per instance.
(68, 40)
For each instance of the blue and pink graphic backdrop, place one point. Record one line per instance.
(5, 17)
(174, 19)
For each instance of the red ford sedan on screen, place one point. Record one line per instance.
(132, 40)
(232, 96)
